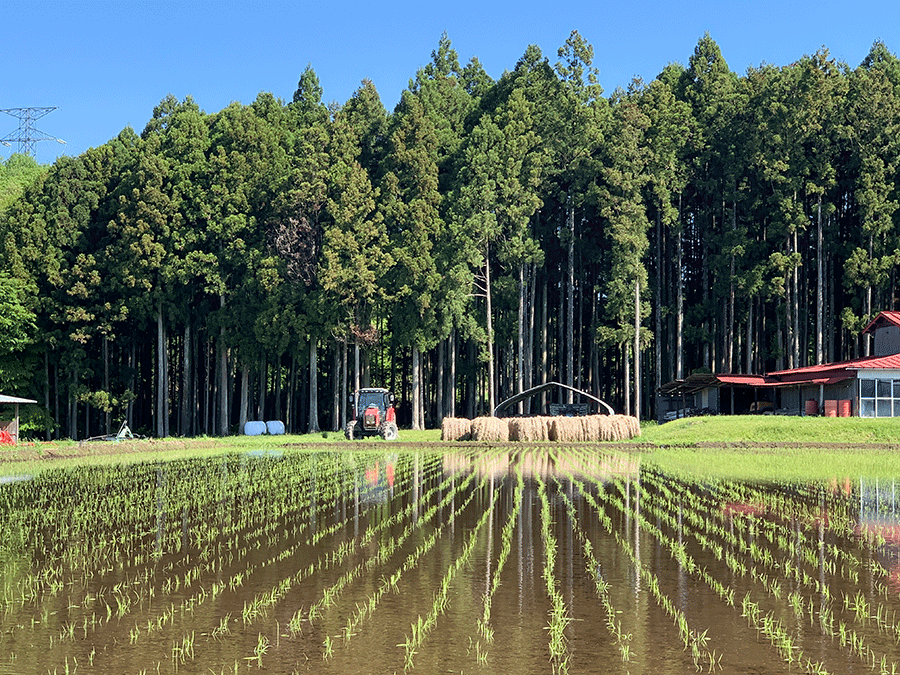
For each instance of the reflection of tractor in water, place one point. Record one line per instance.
(373, 412)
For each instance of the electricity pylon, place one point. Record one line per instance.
(27, 135)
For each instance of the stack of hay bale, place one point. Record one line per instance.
(529, 428)
(590, 429)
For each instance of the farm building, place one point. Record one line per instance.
(865, 387)
(9, 428)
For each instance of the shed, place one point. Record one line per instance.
(12, 427)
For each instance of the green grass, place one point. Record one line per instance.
(772, 429)
(775, 465)
(749, 447)
(761, 447)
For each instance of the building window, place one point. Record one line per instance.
(879, 398)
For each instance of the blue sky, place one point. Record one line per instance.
(106, 64)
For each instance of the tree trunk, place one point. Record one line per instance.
(345, 392)
(626, 363)
(336, 388)
(679, 299)
(820, 287)
(261, 388)
(313, 427)
(545, 337)
(490, 330)
(729, 325)
(529, 336)
(520, 356)
(187, 390)
(471, 379)
(47, 433)
(416, 387)
(658, 324)
(223, 379)
(162, 378)
(244, 409)
(637, 348)
(570, 306)
(451, 384)
(796, 312)
(439, 390)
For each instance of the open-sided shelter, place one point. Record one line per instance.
(864, 387)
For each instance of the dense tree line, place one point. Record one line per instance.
(486, 236)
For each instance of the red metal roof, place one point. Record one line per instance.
(883, 318)
(891, 361)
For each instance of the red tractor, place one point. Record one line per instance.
(373, 411)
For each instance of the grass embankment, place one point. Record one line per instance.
(31, 457)
(775, 448)
(751, 447)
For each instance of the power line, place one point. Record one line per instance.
(27, 135)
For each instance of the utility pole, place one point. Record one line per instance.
(27, 135)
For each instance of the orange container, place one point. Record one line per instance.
(845, 407)
(831, 407)
(812, 407)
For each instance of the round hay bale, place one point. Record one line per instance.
(275, 427)
(490, 429)
(456, 429)
(254, 428)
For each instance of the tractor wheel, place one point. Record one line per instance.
(350, 431)
(389, 432)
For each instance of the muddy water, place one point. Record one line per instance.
(366, 562)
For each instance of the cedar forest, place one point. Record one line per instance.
(486, 236)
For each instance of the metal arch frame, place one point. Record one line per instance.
(542, 387)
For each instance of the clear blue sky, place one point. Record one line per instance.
(106, 64)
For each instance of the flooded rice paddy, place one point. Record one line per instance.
(478, 561)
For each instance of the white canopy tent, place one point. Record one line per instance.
(13, 427)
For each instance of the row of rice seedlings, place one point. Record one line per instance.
(780, 638)
(592, 568)
(856, 605)
(365, 609)
(261, 601)
(258, 605)
(783, 529)
(484, 622)
(847, 637)
(696, 513)
(693, 640)
(385, 550)
(786, 648)
(113, 558)
(784, 514)
(188, 603)
(713, 536)
(191, 602)
(559, 612)
(424, 625)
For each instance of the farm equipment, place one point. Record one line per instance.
(373, 415)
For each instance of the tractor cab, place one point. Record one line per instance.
(373, 414)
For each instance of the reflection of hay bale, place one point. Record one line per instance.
(490, 429)
(529, 428)
(593, 428)
(456, 429)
